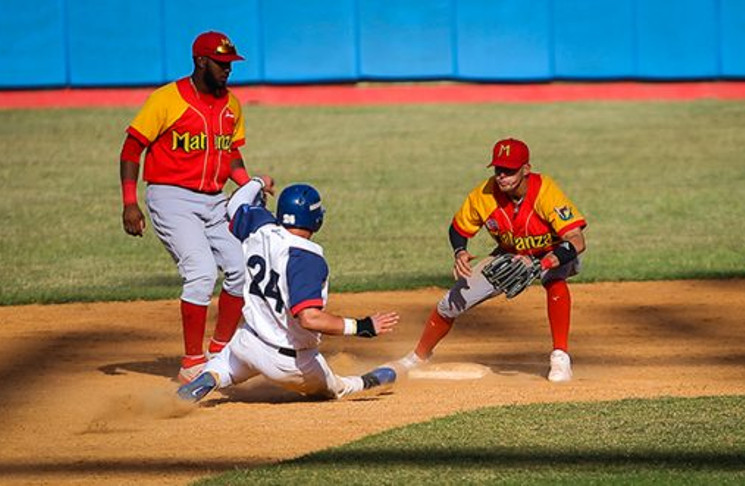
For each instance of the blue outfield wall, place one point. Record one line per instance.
(52, 43)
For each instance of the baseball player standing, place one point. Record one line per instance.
(191, 131)
(286, 291)
(528, 215)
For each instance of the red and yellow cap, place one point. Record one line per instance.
(216, 46)
(510, 153)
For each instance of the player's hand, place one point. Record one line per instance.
(133, 220)
(385, 322)
(462, 266)
(268, 184)
(525, 259)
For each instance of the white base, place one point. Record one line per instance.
(450, 371)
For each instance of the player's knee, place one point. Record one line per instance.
(199, 286)
(446, 308)
(234, 281)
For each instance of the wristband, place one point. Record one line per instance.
(365, 328)
(259, 180)
(129, 192)
(546, 263)
(350, 326)
(239, 176)
(458, 250)
(565, 252)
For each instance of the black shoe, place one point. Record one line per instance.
(379, 376)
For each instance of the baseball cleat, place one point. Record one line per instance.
(187, 374)
(198, 388)
(191, 367)
(379, 376)
(409, 362)
(561, 367)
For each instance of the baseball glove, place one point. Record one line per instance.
(511, 274)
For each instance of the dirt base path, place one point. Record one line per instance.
(87, 396)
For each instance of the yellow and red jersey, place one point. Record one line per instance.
(191, 137)
(534, 227)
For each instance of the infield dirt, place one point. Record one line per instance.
(88, 398)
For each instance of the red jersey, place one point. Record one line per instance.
(534, 227)
(190, 137)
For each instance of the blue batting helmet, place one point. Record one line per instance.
(299, 206)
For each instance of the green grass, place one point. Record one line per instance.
(660, 183)
(664, 441)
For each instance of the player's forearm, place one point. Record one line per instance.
(457, 241)
(573, 243)
(129, 172)
(238, 173)
(317, 320)
(129, 168)
(314, 319)
(577, 238)
(246, 194)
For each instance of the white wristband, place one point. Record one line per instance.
(350, 326)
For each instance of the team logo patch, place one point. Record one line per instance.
(288, 219)
(565, 213)
(492, 225)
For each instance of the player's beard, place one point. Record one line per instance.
(216, 86)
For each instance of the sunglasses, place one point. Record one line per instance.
(505, 171)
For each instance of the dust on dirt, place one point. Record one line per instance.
(88, 396)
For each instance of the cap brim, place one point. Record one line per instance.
(507, 165)
(226, 57)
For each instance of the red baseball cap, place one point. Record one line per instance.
(216, 46)
(510, 153)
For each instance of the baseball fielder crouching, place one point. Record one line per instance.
(529, 217)
(285, 293)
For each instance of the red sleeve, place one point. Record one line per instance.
(132, 149)
(139, 136)
(461, 231)
(317, 303)
(577, 224)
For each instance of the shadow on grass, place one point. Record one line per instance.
(499, 458)
(504, 457)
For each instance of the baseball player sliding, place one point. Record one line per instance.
(285, 293)
(191, 130)
(539, 229)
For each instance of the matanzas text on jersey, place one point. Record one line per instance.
(188, 142)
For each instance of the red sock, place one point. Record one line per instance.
(189, 361)
(435, 329)
(193, 321)
(229, 313)
(559, 304)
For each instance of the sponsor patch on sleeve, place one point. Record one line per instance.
(564, 213)
(492, 225)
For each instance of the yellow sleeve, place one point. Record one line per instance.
(553, 206)
(162, 108)
(474, 211)
(239, 132)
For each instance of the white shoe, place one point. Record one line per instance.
(409, 362)
(561, 367)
